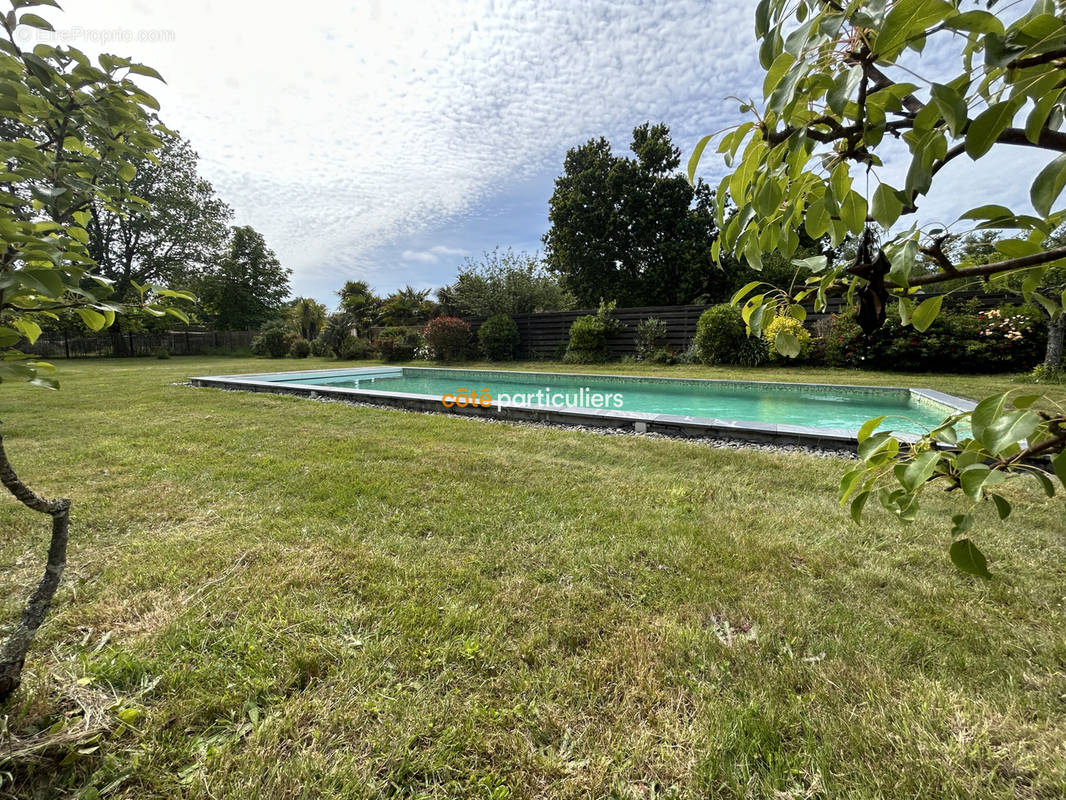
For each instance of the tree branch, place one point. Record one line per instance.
(987, 270)
(13, 652)
(1037, 60)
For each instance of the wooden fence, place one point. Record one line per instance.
(544, 334)
(113, 343)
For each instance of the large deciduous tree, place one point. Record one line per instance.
(72, 133)
(631, 229)
(249, 285)
(843, 80)
(175, 238)
(172, 237)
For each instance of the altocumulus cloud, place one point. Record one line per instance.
(384, 141)
(350, 135)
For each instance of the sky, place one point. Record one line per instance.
(388, 140)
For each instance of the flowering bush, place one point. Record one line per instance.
(789, 325)
(998, 340)
(448, 338)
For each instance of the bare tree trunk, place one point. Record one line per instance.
(13, 652)
(1055, 330)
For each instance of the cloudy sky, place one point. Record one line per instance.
(386, 140)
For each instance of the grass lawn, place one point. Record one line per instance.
(284, 598)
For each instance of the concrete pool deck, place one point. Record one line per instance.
(641, 422)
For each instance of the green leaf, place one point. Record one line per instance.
(887, 206)
(816, 220)
(876, 444)
(777, 71)
(925, 312)
(906, 19)
(1048, 185)
(148, 72)
(869, 427)
(694, 159)
(1058, 463)
(990, 211)
(762, 18)
(1034, 123)
(787, 344)
(48, 282)
(1002, 506)
(30, 329)
(93, 320)
(1015, 248)
(843, 85)
(975, 22)
(920, 470)
(35, 21)
(960, 523)
(1044, 481)
(857, 505)
(988, 125)
(127, 172)
(1007, 429)
(1050, 306)
(965, 555)
(952, 107)
(9, 336)
(744, 291)
(976, 477)
(853, 211)
(852, 479)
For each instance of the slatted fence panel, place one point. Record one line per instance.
(544, 334)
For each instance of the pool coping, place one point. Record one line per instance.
(641, 422)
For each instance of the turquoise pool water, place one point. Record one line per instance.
(779, 404)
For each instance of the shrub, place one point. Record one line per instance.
(690, 355)
(272, 341)
(753, 352)
(448, 338)
(498, 337)
(301, 348)
(1043, 373)
(397, 344)
(986, 341)
(334, 334)
(651, 337)
(588, 341)
(662, 355)
(355, 349)
(788, 325)
(589, 334)
(720, 333)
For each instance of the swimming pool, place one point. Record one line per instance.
(739, 409)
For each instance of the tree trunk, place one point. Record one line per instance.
(13, 652)
(119, 347)
(1055, 330)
